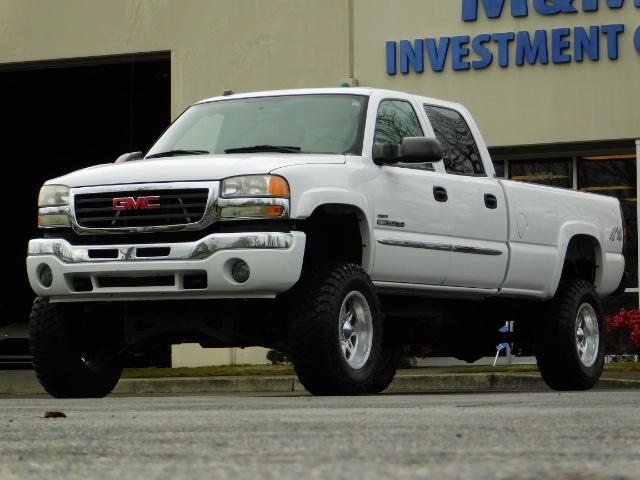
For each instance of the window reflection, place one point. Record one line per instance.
(458, 145)
(396, 120)
(556, 172)
(498, 167)
(616, 177)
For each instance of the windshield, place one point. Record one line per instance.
(327, 123)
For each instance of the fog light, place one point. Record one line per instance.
(46, 276)
(240, 271)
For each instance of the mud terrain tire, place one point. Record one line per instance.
(570, 340)
(335, 330)
(71, 354)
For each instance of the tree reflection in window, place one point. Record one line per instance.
(458, 145)
(396, 120)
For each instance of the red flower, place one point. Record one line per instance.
(624, 326)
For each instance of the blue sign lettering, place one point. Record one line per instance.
(612, 32)
(558, 45)
(532, 50)
(588, 44)
(391, 58)
(492, 8)
(410, 56)
(520, 8)
(503, 40)
(459, 50)
(478, 45)
(437, 53)
(554, 6)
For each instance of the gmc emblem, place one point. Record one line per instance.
(140, 203)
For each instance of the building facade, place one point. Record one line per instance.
(552, 84)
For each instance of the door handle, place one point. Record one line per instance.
(440, 194)
(490, 201)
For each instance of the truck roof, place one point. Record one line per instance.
(296, 91)
(366, 91)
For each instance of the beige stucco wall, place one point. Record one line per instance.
(249, 45)
(193, 355)
(215, 44)
(530, 104)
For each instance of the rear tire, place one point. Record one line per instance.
(570, 340)
(335, 330)
(73, 355)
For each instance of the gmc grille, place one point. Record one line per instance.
(176, 207)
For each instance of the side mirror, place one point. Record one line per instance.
(411, 150)
(127, 157)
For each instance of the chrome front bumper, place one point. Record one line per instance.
(200, 269)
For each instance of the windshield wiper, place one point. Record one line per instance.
(172, 153)
(264, 148)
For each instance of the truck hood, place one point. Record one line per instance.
(188, 168)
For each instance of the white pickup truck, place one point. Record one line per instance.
(333, 225)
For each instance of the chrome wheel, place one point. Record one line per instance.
(356, 329)
(335, 330)
(587, 335)
(570, 338)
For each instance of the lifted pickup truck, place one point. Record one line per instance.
(333, 225)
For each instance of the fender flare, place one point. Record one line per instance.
(567, 232)
(312, 199)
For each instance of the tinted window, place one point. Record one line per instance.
(396, 120)
(459, 148)
(615, 175)
(557, 172)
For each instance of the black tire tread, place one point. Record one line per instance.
(555, 344)
(387, 368)
(53, 343)
(316, 354)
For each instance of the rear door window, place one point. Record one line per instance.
(460, 151)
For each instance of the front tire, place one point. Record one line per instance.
(335, 330)
(570, 341)
(387, 367)
(73, 350)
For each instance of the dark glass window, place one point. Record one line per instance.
(556, 172)
(616, 176)
(612, 305)
(458, 145)
(498, 166)
(396, 120)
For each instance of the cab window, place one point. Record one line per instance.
(460, 151)
(396, 119)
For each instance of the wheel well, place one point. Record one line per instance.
(333, 233)
(580, 260)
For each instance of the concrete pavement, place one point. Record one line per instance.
(426, 379)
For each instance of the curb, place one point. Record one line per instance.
(458, 382)
(401, 383)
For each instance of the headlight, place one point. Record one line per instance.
(255, 186)
(53, 206)
(254, 196)
(53, 195)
